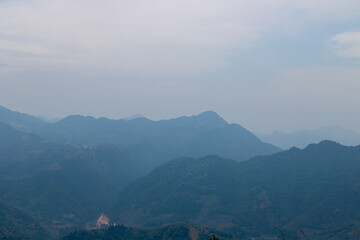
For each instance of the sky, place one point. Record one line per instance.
(265, 64)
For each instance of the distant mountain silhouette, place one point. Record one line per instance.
(89, 131)
(151, 143)
(315, 189)
(303, 138)
(21, 121)
(146, 142)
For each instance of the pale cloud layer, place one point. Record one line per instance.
(144, 34)
(347, 44)
(165, 58)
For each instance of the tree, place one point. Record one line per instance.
(213, 238)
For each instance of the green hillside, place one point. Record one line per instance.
(172, 232)
(63, 186)
(19, 225)
(315, 189)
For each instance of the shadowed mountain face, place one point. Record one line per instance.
(303, 138)
(315, 189)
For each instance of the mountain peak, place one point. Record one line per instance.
(209, 114)
(77, 118)
(325, 144)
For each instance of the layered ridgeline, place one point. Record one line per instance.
(65, 186)
(316, 189)
(303, 138)
(61, 186)
(172, 232)
(151, 143)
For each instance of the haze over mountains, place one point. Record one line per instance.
(61, 185)
(17, 224)
(315, 189)
(179, 171)
(76, 168)
(150, 142)
(60, 176)
(20, 121)
(303, 138)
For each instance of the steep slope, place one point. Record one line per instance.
(20, 121)
(172, 232)
(63, 186)
(315, 189)
(151, 143)
(303, 138)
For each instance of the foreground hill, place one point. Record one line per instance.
(151, 143)
(301, 139)
(315, 189)
(62, 186)
(16, 225)
(172, 232)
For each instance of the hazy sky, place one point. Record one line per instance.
(265, 64)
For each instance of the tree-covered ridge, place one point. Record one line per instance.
(19, 225)
(315, 189)
(171, 232)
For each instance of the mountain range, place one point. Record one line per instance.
(65, 174)
(151, 143)
(301, 139)
(60, 176)
(315, 189)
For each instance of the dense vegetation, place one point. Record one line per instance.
(172, 232)
(315, 189)
(19, 225)
(63, 186)
(81, 167)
